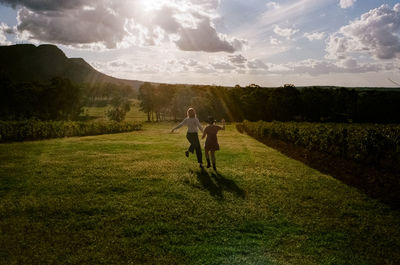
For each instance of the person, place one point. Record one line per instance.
(211, 145)
(193, 125)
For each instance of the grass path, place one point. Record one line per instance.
(134, 198)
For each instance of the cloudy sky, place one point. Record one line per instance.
(223, 42)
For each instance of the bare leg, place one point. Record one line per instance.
(213, 159)
(207, 152)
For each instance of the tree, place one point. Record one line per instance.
(146, 97)
(119, 107)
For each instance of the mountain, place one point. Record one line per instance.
(27, 62)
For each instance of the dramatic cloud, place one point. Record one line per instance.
(285, 32)
(205, 38)
(376, 32)
(60, 29)
(120, 23)
(314, 36)
(346, 3)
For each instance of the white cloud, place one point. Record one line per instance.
(272, 5)
(4, 28)
(346, 3)
(3, 39)
(120, 23)
(256, 64)
(285, 32)
(314, 35)
(376, 32)
(223, 66)
(314, 67)
(237, 59)
(274, 41)
(123, 68)
(60, 29)
(205, 38)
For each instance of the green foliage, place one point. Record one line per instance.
(172, 101)
(119, 107)
(367, 143)
(35, 130)
(58, 99)
(101, 94)
(286, 103)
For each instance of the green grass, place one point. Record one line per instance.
(99, 113)
(134, 198)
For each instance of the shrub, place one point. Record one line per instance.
(375, 144)
(36, 130)
(119, 107)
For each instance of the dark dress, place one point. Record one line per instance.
(211, 141)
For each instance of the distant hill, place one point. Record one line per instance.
(27, 62)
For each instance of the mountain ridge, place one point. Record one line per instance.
(27, 63)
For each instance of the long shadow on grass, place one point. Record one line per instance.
(377, 183)
(216, 184)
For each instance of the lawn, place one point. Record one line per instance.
(134, 198)
(99, 113)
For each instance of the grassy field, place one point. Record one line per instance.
(134, 198)
(99, 113)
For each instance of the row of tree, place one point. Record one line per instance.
(164, 101)
(100, 95)
(286, 103)
(60, 99)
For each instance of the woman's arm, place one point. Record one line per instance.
(204, 133)
(199, 125)
(179, 125)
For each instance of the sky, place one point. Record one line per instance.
(223, 42)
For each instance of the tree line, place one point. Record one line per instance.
(60, 99)
(286, 103)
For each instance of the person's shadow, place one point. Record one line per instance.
(216, 183)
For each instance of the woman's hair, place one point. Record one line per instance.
(210, 120)
(191, 113)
